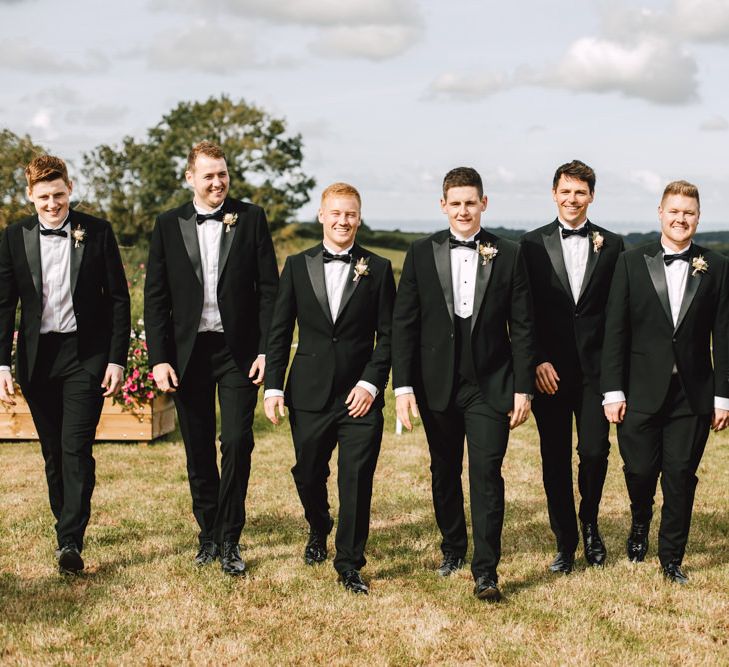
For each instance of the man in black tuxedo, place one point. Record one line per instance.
(211, 283)
(571, 263)
(463, 351)
(65, 268)
(342, 296)
(668, 314)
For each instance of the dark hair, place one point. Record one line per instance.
(462, 177)
(575, 169)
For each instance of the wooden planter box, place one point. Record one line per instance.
(155, 420)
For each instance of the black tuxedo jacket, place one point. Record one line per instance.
(99, 292)
(173, 291)
(569, 335)
(642, 344)
(332, 355)
(502, 324)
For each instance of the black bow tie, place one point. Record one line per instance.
(59, 231)
(582, 231)
(202, 217)
(328, 257)
(684, 256)
(453, 242)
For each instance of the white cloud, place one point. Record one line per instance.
(203, 47)
(648, 180)
(468, 86)
(41, 119)
(372, 42)
(653, 69)
(715, 124)
(702, 20)
(55, 95)
(22, 55)
(99, 115)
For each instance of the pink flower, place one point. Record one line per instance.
(150, 395)
(127, 400)
(133, 387)
(137, 352)
(135, 374)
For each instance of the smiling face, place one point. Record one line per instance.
(464, 207)
(573, 197)
(340, 218)
(679, 216)
(209, 180)
(51, 200)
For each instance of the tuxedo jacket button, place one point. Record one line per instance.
(335, 339)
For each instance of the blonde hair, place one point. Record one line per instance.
(341, 190)
(683, 188)
(207, 148)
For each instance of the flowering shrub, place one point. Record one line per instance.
(138, 388)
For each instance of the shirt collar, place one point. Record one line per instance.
(670, 251)
(61, 226)
(202, 211)
(337, 252)
(462, 238)
(566, 226)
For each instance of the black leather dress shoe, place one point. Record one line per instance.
(230, 560)
(316, 546)
(563, 563)
(486, 589)
(636, 545)
(451, 563)
(352, 581)
(69, 559)
(672, 571)
(207, 553)
(595, 551)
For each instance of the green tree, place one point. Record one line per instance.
(132, 183)
(15, 153)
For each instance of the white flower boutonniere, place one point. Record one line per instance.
(699, 265)
(597, 240)
(230, 220)
(487, 252)
(361, 269)
(78, 234)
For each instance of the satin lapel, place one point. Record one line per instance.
(188, 229)
(692, 286)
(315, 267)
(351, 284)
(483, 276)
(442, 257)
(658, 276)
(77, 253)
(592, 260)
(226, 241)
(31, 240)
(553, 246)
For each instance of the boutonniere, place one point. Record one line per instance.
(699, 265)
(78, 234)
(361, 269)
(487, 252)
(597, 240)
(230, 220)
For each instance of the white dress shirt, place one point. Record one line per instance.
(57, 310)
(208, 236)
(575, 250)
(336, 274)
(676, 276)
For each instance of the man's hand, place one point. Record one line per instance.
(547, 378)
(112, 379)
(615, 412)
(520, 413)
(269, 407)
(720, 420)
(257, 371)
(165, 378)
(7, 390)
(359, 402)
(406, 405)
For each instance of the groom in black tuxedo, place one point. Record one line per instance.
(463, 352)
(667, 316)
(341, 295)
(65, 268)
(211, 283)
(571, 263)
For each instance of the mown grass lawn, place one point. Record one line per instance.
(142, 601)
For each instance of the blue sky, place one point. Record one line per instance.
(390, 94)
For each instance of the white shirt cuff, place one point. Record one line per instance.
(272, 393)
(261, 356)
(4, 368)
(117, 365)
(719, 401)
(369, 387)
(613, 397)
(401, 391)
